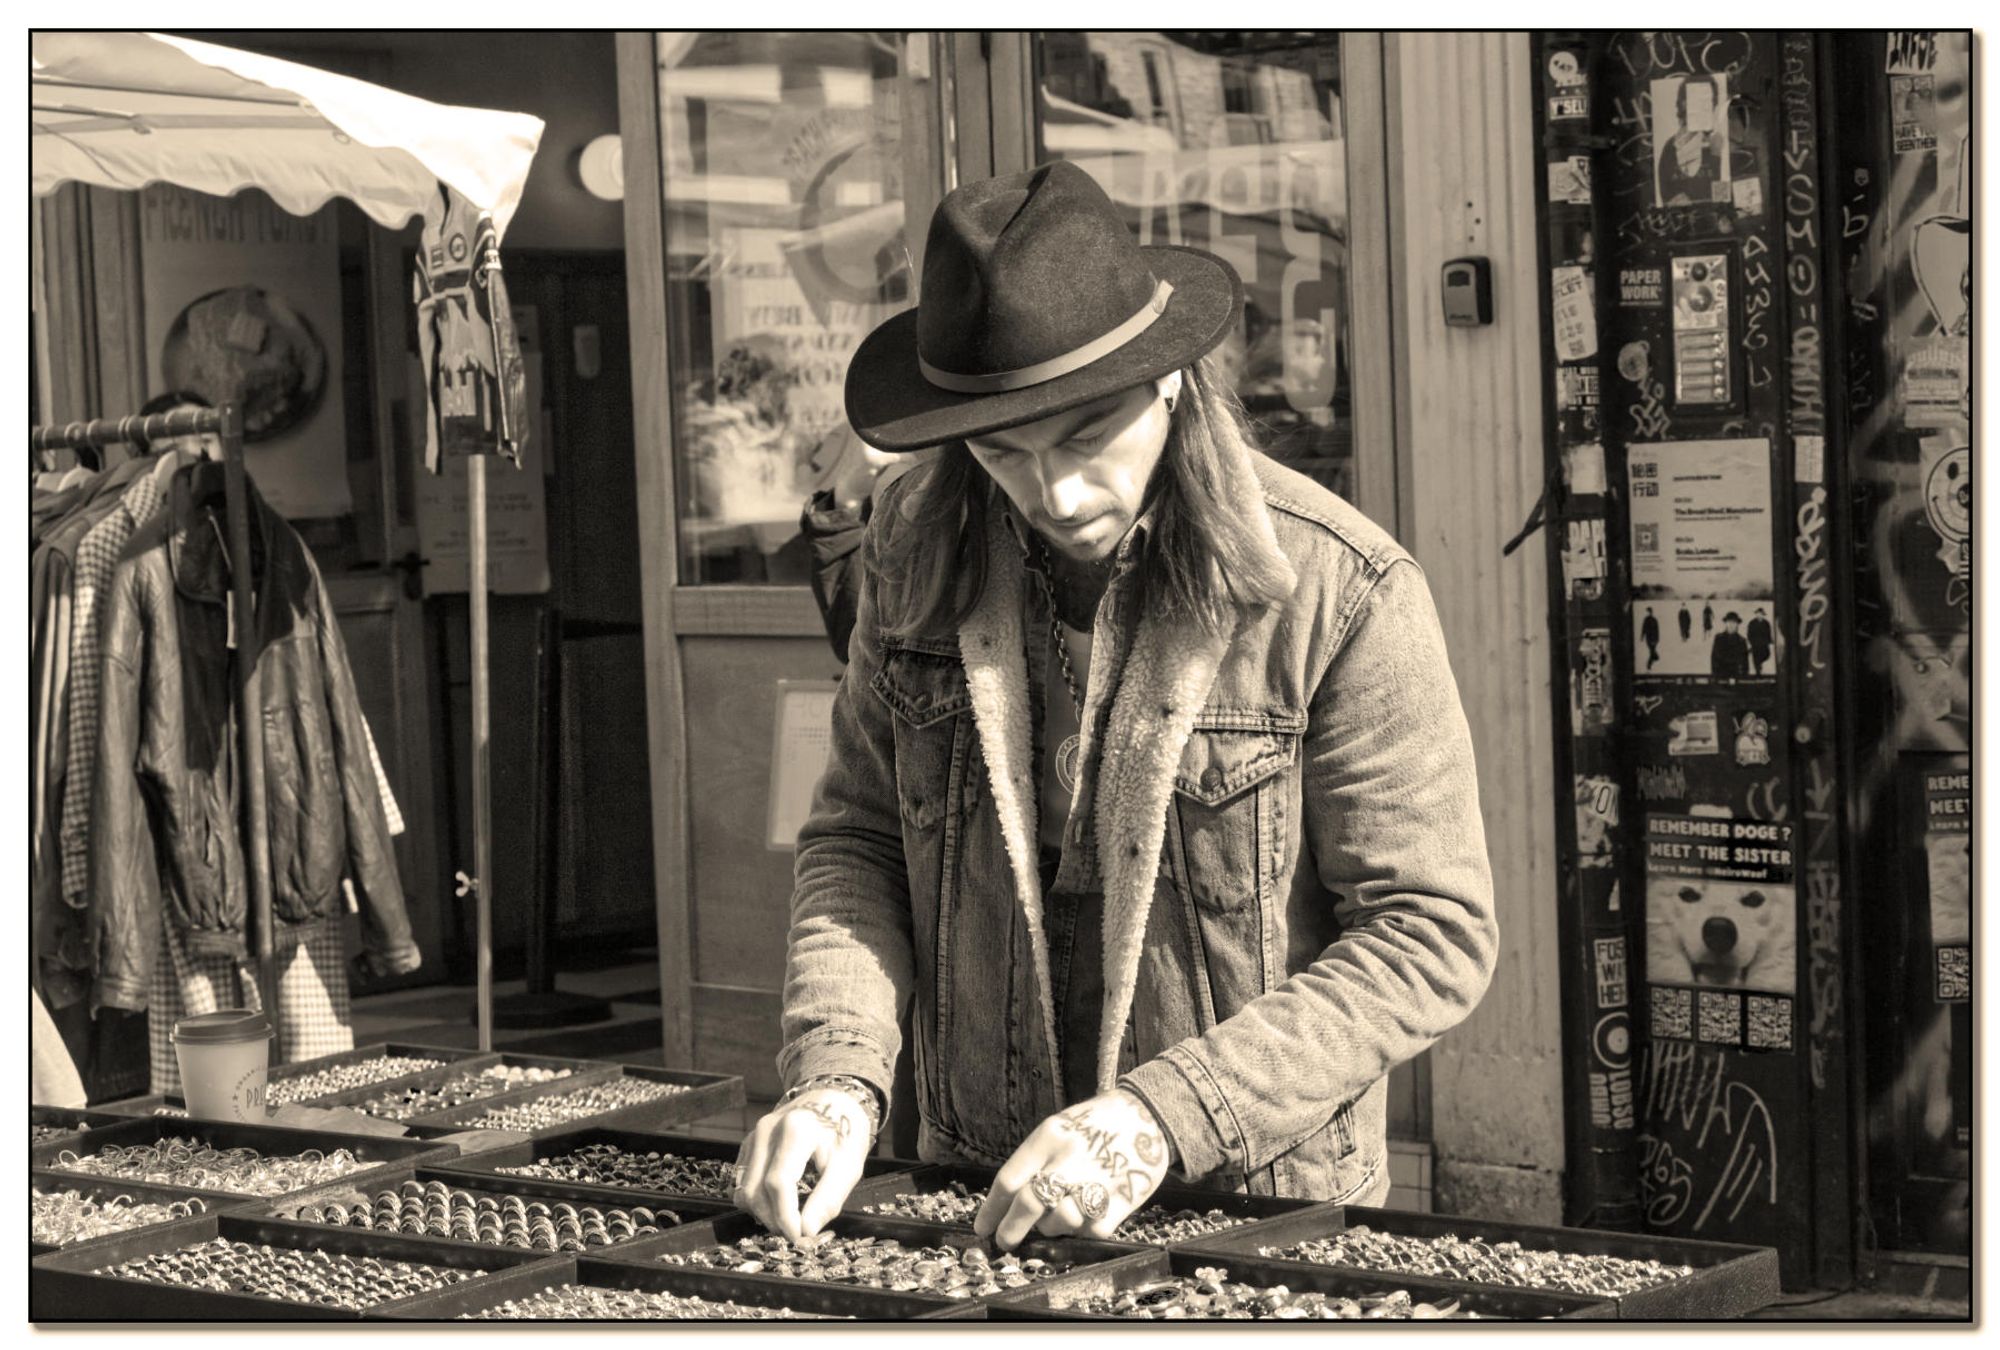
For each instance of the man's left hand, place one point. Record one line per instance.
(1098, 1161)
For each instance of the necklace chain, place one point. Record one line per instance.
(1055, 626)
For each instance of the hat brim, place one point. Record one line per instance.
(893, 407)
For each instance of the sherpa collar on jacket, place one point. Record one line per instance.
(1165, 681)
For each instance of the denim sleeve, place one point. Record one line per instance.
(848, 965)
(1391, 807)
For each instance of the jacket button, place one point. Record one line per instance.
(921, 701)
(1211, 779)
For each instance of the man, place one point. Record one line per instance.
(1649, 633)
(1149, 781)
(1687, 624)
(1690, 162)
(1707, 619)
(1729, 657)
(1759, 634)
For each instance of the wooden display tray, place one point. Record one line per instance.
(63, 1287)
(730, 1228)
(682, 1145)
(104, 1188)
(686, 1211)
(582, 1071)
(925, 1177)
(705, 1095)
(840, 1300)
(381, 1152)
(1728, 1281)
(1042, 1302)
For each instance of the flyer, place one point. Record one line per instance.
(1721, 908)
(1702, 586)
(1590, 684)
(1575, 316)
(1948, 874)
(1691, 140)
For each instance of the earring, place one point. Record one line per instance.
(1170, 405)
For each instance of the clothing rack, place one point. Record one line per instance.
(226, 423)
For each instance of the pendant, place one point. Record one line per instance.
(1067, 756)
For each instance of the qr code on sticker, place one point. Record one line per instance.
(1954, 974)
(1769, 1023)
(1673, 1014)
(1721, 1018)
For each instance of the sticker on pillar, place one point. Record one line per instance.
(1590, 683)
(1596, 818)
(1748, 196)
(1948, 877)
(1575, 314)
(1719, 1017)
(1690, 140)
(1947, 469)
(1911, 52)
(1565, 68)
(1611, 1073)
(1767, 1022)
(1569, 180)
(1584, 565)
(1721, 909)
(1694, 733)
(1583, 469)
(1753, 739)
(1577, 399)
(1935, 384)
(1702, 574)
(1808, 459)
(1673, 1014)
(1913, 113)
(1610, 968)
(1642, 288)
(1569, 107)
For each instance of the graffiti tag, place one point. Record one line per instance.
(1688, 1087)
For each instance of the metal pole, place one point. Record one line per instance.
(249, 709)
(482, 787)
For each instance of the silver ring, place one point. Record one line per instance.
(1049, 1189)
(1092, 1199)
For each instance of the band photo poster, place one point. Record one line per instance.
(1702, 584)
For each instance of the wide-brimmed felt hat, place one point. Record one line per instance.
(1036, 299)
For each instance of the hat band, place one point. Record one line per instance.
(1042, 372)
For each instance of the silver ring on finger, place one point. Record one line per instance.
(1051, 1190)
(1092, 1199)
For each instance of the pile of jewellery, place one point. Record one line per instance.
(434, 1209)
(291, 1274)
(59, 1218)
(591, 1100)
(959, 1206)
(610, 1165)
(584, 1302)
(187, 1163)
(876, 1263)
(1209, 1293)
(358, 1073)
(41, 1134)
(471, 1086)
(1477, 1261)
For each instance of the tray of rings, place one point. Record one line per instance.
(47, 1124)
(381, 1065)
(228, 1266)
(635, 1097)
(541, 1216)
(952, 1193)
(483, 1079)
(221, 1159)
(582, 1289)
(1639, 1275)
(915, 1259)
(615, 1164)
(1184, 1285)
(70, 1211)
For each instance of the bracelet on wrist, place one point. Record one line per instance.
(859, 1088)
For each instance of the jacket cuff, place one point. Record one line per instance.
(837, 1050)
(396, 961)
(1190, 1108)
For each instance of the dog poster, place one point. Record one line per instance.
(1721, 908)
(1702, 577)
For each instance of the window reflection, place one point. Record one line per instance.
(1232, 142)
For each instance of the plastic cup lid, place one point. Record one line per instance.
(218, 1028)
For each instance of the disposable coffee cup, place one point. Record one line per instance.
(225, 1060)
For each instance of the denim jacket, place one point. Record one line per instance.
(1286, 826)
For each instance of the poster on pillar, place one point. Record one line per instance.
(242, 302)
(1691, 140)
(1702, 582)
(1948, 875)
(1721, 930)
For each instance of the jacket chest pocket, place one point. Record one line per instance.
(1229, 801)
(924, 686)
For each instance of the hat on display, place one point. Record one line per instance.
(1036, 299)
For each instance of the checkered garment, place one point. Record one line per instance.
(315, 1015)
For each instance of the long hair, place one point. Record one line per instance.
(1199, 560)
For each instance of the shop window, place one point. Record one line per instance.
(1254, 171)
(788, 159)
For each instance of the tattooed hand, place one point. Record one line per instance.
(826, 1127)
(1110, 1141)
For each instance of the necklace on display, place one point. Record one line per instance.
(1070, 752)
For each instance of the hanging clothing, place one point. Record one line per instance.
(52, 1076)
(165, 835)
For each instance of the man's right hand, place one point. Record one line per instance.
(827, 1128)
